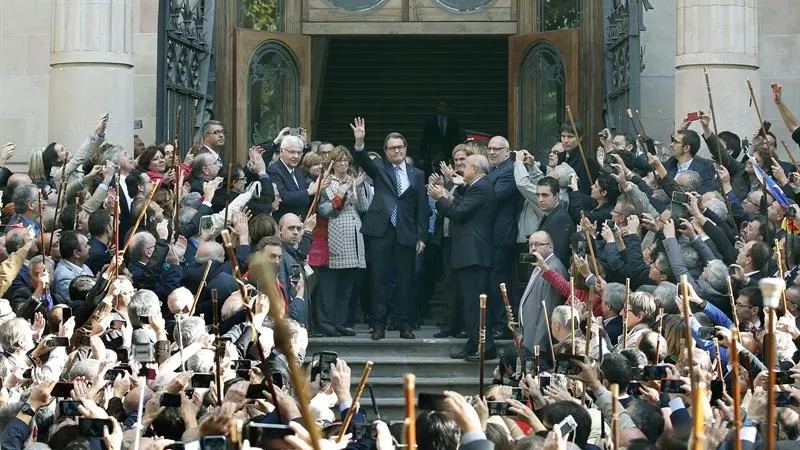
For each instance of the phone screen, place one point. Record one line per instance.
(430, 402)
(202, 380)
(206, 225)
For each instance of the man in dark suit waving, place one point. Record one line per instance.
(396, 226)
(295, 190)
(471, 212)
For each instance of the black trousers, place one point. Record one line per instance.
(502, 272)
(336, 289)
(391, 265)
(454, 322)
(472, 282)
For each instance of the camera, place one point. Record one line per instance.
(321, 364)
(680, 197)
(528, 258)
(498, 408)
(566, 364)
(295, 273)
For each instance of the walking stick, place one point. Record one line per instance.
(546, 316)
(359, 390)
(625, 313)
(719, 360)
(116, 227)
(697, 434)
(779, 260)
(718, 147)
(200, 287)
(615, 416)
(572, 311)
(227, 195)
(580, 146)
(482, 342)
(758, 113)
(320, 180)
(737, 400)
(788, 152)
(219, 346)
(62, 185)
(41, 237)
(141, 215)
(512, 326)
(410, 434)
(658, 340)
(733, 302)
(771, 289)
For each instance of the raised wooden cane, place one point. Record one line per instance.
(410, 428)
(512, 327)
(141, 215)
(615, 416)
(658, 341)
(572, 311)
(356, 397)
(200, 287)
(227, 194)
(718, 147)
(779, 260)
(733, 302)
(580, 146)
(546, 317)
(482, 341)
(737, 399)
(625, 313)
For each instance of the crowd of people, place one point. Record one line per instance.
(139, 307)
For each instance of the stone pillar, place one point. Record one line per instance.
(91, 70)
(721, 35)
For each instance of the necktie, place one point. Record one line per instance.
(295, 179)
(399, 184)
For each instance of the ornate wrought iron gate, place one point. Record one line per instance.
(623, 61)
(186, 74)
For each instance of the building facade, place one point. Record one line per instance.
(504, 66)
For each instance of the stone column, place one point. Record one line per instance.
(91, 70)
(723, 36)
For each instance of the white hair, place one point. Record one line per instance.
(292, 140)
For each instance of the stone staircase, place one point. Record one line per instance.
(428, 358)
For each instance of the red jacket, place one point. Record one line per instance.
(562, 286)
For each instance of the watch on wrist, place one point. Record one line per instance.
(28, 409)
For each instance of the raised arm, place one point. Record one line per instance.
(788, 118)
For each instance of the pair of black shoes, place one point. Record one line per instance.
(339, 332)
(473, 355)
(447, 333)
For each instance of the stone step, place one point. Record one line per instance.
(392, 387)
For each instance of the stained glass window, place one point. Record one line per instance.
(273, 92)
(464, 5)
(559, 14)
(261, 15)
(355, 5)
(542, 93)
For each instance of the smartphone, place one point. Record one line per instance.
(94, 427)
(206, 225)
(783, 377)
(57, 341)
(115, 342)
(144, 320)
(148, 373)
(567, 426)
(364, 432)
(143, 353)
(497, 408)
(201, 380)
(672, 386)
(692, 116)
(544, 382)
(242, 364)
(654, 373)
(717, 391)
(112, 374)
(175, 446)
(528, 258)
(784, 399)
(256, 391)
(565, 364)
(268, 435)
(117, 324)
(66, 313)
(168, 399)
(68, 408)
(277, 380)
(296, 273)
(611, 224)
(633, 389)
(295, 131)
(733, 268)
(214, 443)
(243, 374)
(62, 389)
(680, 197)
(707, 333)
(323, 365)
(516, 394)
(27, 374)
(123, 354)
(430, 402)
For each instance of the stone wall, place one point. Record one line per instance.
(25, 43)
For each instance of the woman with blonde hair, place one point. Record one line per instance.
(36, 165)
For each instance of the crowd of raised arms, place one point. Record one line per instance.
(163, 297)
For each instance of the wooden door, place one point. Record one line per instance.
(272, 76)
(543, 78)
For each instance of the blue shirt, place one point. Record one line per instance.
(65, 273)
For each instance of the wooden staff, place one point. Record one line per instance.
(200, 287)
(718, 147)
(589, 321)
(116, 227)
(733, 302)
(176, 144)
(658, 341)
(320, 180)
(62, 186)
(572, 311)
(41, 237)
(261, 268)
(409, 382)
(194, 120)
(482, 341)
(687, 330)
(580, 146)
(227, 194)
(512, 326)
(737, 399)
(535, 360)
(615, 416)
(625, 313)
(719, 360)
(758, 113)
(219, 349)
(546, 316)
(779, 260)
(698, 417)
(141, 215)
(769, 291)
(176, 193)
(77, 211)
(791, 158)
(359, 390)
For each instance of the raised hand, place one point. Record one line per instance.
(7, 152)
(359, 130)
(776, 92)
(447, 169)
(100, 128)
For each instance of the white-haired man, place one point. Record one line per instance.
(296, 190)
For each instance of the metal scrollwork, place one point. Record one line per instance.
(273, 92)
(542, 98)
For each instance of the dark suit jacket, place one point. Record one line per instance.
(614, 329)
(413, 211)
(218, 202)
(560, 226)
(509, 200)
(294, 197)
(703, 166)
(471, 215)
(436, 145)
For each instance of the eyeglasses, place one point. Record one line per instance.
(396, 148)
(540, 244)
(496, 149)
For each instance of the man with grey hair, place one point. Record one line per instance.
(192, 329)
(296, 190)
(26, 207)
(613, 301)
(148, 256)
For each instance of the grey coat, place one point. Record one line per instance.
(345, 241)
(531, 316)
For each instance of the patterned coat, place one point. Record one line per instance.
(345, 241)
